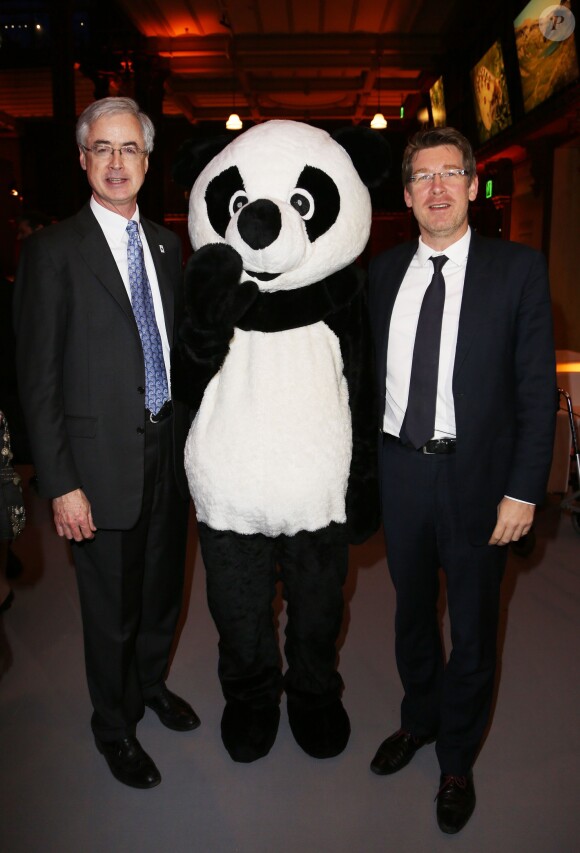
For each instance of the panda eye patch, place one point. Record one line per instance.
(237, 201)
(302, 201)
(221, 193)
(318, 189)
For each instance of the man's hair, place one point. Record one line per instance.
(432, 138)
(110, 106)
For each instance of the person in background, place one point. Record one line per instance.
(96, 300)
(30, 221)
(466, 379)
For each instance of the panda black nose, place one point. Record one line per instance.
(259, 223)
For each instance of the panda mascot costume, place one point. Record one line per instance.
(275, 360)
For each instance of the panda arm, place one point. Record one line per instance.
(195, 359)
(351, 325)
(214, 300)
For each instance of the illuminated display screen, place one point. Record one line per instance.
(490, 93)
(546, 50)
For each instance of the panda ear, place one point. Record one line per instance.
(369, 151)
(194, 155)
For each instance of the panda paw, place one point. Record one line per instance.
(362, 510)
(213, 293)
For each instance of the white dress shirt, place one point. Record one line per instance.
(114, 227)
(403, 329)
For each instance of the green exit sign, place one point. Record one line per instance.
(402, 112)
(488, 189)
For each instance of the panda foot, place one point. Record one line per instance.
(249, 733)
(321, 732)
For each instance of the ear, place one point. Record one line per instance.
(369, 151)
(472, 194)
(83, 159)
(194, 155)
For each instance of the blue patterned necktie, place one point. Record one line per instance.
(156, 390)
(419, 422)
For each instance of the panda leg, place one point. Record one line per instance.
(241, 586)
(314, 568)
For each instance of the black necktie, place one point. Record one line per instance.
(419, 422)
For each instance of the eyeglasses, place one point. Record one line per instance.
(428, 177)
(104, 152)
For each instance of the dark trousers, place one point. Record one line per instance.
(130, 585)
(424, 531)
(242, 572)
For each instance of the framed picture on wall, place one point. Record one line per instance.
(546, 49)
(490, 94)
(437, 96)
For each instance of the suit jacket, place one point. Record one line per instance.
(504, 378)
(80, 364)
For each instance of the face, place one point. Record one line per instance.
(440, 207)
(116, 180)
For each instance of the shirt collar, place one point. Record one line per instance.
(113, 224)
(456, 252)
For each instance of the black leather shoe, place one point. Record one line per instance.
(396, 751)
(455, 802)
(129, 763)
(174, 712)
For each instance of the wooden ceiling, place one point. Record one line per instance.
(310, 59)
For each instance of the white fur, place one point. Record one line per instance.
(269, 450)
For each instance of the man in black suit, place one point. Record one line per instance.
(466, 380)
(95, 305)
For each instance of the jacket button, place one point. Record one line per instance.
(140, 389)
(140, 430)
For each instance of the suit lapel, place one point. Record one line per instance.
(158, 253)
(476, 295)
(95, 250)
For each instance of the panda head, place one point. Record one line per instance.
(288, 198)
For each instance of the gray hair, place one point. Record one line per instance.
(110, 106)
(432, 138)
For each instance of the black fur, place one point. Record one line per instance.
(351, 325)
(279, 310)
(218, 197)
(326, 201)
(214, 301)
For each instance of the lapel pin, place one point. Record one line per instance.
(161, 248)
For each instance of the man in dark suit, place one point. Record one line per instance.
(466, 380)
(95, 307)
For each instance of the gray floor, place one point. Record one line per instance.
(56, 792)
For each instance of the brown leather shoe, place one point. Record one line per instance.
(396, 751)
(173, 711)
(129, 763)
(455, 802)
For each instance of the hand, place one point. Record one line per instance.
(514, 520)
(213, 293)
(72, 516)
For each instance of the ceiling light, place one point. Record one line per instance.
(234, 122)
(378, 122)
